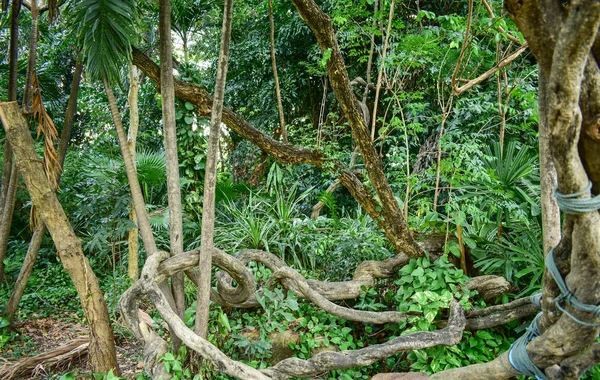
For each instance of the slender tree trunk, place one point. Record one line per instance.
(10, 176)
(371, 52)
(7, 215)
(210, 178)
(32, 251)
(167, 90)
(40, 229)
(102, 347)
(381, 68)
(28, 90)
(6, 168)
(136, 191)
(282, 126)
(446, 113)
(134, 121)
(13, 50)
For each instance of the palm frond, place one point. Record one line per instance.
(105, 31)
(151, 167)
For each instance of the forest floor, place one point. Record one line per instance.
(40, 335)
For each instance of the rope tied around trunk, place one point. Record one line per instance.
(573, 204)
(578, 203)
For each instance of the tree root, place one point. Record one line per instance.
(159, 267)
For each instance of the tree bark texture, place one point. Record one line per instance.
(134, 122)
(172, 160)
(7, 215)
(136, 191)
(102, 346)
(210, 178)
(550, 211)
(170, 140)
(40, 229)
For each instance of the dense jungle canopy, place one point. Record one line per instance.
(385, 189)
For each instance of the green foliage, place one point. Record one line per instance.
(105, 31)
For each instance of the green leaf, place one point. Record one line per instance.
(326, 57)
(188, 119)
(189, 106)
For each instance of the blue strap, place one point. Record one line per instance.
(578, 203)
(574, 204)
(567, 297)
(518, 356)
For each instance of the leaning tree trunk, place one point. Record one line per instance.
(102, 347)
(320, 24)
(40, 229)
(210, 179)
(170, 140)
(8, 192)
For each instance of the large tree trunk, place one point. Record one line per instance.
(170, 140)
(210, 179)
(561, 40)
(102, 347)
(40, 229)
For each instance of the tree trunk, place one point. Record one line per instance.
(170, 140)
(7, 198)
(210, 178)
(102, 346)
(282, 126)
(136, 191)
(40, 229)
(13, 50)
(7, 216)
(32, 251)
(134, 121)
(381, 68)
(550, 211)
(28, 90)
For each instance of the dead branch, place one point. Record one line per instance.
(61, 357)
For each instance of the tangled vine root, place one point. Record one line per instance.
(160, 266)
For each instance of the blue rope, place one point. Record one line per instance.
(575, 205)
(518, 356)
(567, 297)
(536, 299)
